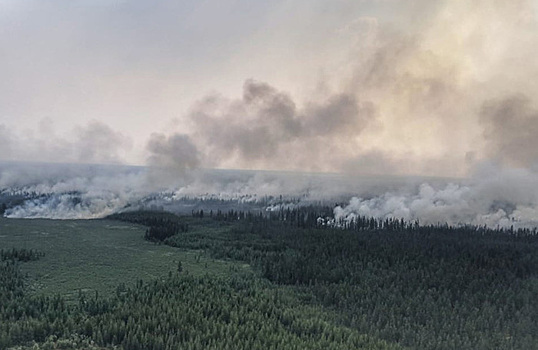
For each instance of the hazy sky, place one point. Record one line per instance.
(372, 86)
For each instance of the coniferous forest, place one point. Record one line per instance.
(269, 175)
(365, 284)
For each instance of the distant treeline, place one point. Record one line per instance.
(23, 254)
(161, 225)
(315, 216)
(213, 199)
(304, 217)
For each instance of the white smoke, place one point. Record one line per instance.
(60, 191)
(493, 197)
(69, 206)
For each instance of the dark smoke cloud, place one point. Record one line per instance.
(176, 151)
(511, 129)
(267, 127)
(171, 158)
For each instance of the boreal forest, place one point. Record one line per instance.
(294, 281)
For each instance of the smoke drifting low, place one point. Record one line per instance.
(493, 197)
(68, 191)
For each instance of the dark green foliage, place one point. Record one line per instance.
(426, 287)
(23, 319)
(206, 313)
(147, 218)
(435, 287)
(318, 216)
(180, 312)
(161, 225)
(19, 254)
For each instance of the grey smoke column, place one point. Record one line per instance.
(511, 130)
(171, 158)
(266, 127)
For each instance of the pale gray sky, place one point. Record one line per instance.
(413, 76)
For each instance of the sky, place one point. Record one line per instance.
(393, 87)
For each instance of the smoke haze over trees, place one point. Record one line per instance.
(423, 88)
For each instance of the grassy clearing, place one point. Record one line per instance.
(98, 255)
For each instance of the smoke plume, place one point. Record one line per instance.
(418, 99)
(493, 196)
(69, 191)
(266, 127)
(171, 158)
(510, 129)
(438, 88)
